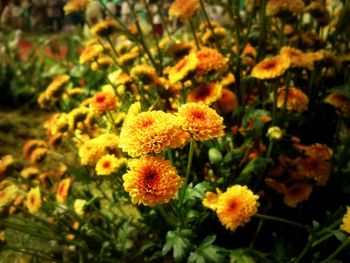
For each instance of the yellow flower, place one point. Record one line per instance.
(38, 155)
(211, 199)
(146, 74)
(296, 99)
(30, 145)
(54, 90)
(179, 49)
(106, 165)
(236, 206)
(202, 122)
(207, 93)
(184, 9)
(104, 101)
(76, 116)
(90, 53)
(79, 205)
(274, 133)
(127, 58)
(34, 200)
(210, 60)
(105, 28)
(345, 226)
(340, 102)
(271, 67)
(183, 68)
(152, 131)
(28, 172)
(102, 63)
(8, 194)
(151, 181)
(297, 58)
(62, 190)
(5, 162)
(75, 6)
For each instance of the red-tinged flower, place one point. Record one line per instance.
(206, 93)
(228, 100)
(104, 101)
(62, 190)
(151, 181)
(297, 193)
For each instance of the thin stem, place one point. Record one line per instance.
(262, 30)
(193, 31)
(167, 218)
(305, 250)
(282, 220)
(321, 240)
(345, 243)
(170, 156)
(275, 99)
(188, 170)
(261, 222)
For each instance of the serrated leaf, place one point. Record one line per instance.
(239, 256)
(178, 240)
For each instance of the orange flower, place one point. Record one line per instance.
(104, 101)
(151, 181)
(340, 102)
(90, 53)
(315, 169)
(296, 99)
(34, 200)
(317, 150)
(146, 74)
(284, 8)
(228, 101)
(152, 131)
(109, 164)
(207, 93)
(183, 68)
(55, 88)
(105, 28)
(202, 122)
(62, 190)
(184, 9)
(5, 162)
(297, 58)
(210, 60)
(102, 63)
(30, 145)
(236, 206)
(297, 193)
(345, 226)
(271, 67)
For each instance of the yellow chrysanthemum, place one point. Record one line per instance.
(151, 181)
(179, 49)
(107, 165)
(8, 194)
(5, 162)
(210, 60)
(38, 155)
(207, 93)
(211, 199)
(90, 53)
(105, 28)
(236, 206)
(146, 74)
(54, 90)
(296, 99)
(271, 67)
(75, 6)
(297, 58)
(183, 68)
(202, 122)
(76, 116)
(345, 226)
(102, 63)
(127, 58)
(284, 8)
(104, 101)
(340, 102)
(29, 172)
(34, 200)
(152, 131)
(30, 145)
(184, 9)
(62, 190)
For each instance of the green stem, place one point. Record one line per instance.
(345, 243)
(262, 36)
(261, 222)
(305, 250)
(193, 31)
(188, 170)
(170, 156)
(167, 218)
(275, 99)
(281, 220)
(321, 240)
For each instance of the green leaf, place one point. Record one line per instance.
(341, 236)
(240, 256)
(215, 156)
(206, 252)
(235, 155)
(255, 166)
(178, 240)
(200, 189)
